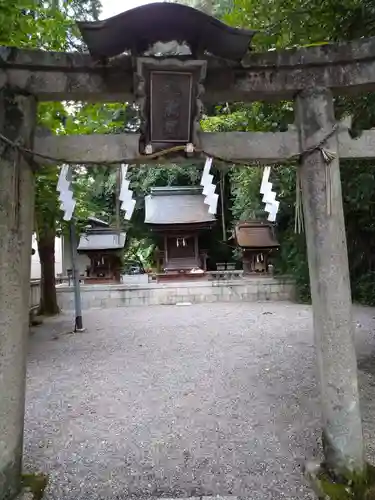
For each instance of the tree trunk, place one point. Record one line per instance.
(48, 297)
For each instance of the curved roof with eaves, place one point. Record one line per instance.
(138, 29)
(177, 205)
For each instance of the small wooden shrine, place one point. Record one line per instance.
(103, 245)
(178, 217)
(257, 241)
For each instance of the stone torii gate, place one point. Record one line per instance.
(309, 76)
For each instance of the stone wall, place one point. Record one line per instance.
(34, 294)
(105, 296)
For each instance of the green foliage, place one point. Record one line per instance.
(51, 25)
(211, 7)
(287, 24)
(358, 186)
(245, 184)
(353, 486)
(35, 483)
(30, 24)
(47, 25)
(291, 23)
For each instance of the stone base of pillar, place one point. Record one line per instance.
(326, 487)
(33, 486)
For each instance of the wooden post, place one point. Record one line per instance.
(17, 118)
(222, 194)
(165, 251)
(196, 249)
(118, 189)
(330, 284)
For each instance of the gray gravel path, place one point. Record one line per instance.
(181, 401)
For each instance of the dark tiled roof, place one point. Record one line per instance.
(257, 234)
(177, 205)
(140, 28)
(102, 240)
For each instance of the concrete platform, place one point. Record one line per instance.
(250, 289)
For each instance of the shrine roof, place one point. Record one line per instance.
(140, 28)
(177, 205)
(94, 221)
(256, 234)
(102, 240)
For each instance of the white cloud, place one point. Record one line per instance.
(113, 7)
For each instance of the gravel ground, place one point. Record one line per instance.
(180, 401)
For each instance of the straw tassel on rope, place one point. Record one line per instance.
(298, 218)
(328, 157)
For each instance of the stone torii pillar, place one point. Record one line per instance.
(17, 119)
(330, 284)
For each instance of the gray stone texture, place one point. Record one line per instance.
(86, 148)
(238, 146)
(173, 401)
(17, 116)
(260, 76)
(249, 290)
(330, 283)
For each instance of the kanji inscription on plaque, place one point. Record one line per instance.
(170, 106)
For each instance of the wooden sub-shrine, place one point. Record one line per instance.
(257, 241)
(103, 245)
(178, 216)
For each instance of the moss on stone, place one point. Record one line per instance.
(353, 486)
(35, 483)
